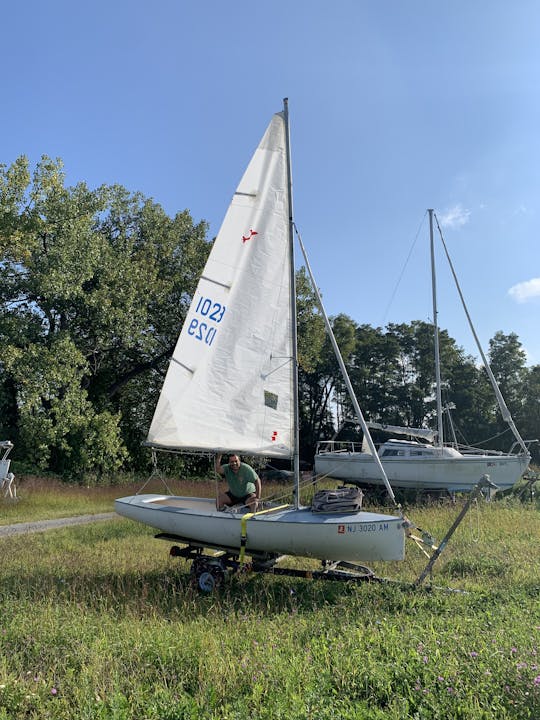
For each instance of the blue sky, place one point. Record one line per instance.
(396, 106)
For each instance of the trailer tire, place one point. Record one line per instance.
(207, 576)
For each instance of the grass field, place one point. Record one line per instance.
(99, 622)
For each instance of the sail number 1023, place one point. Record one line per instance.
(212, 312)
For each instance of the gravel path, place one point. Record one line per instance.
(41, 525)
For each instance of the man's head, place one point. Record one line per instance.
(234, 462)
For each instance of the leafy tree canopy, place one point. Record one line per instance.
(87, 283)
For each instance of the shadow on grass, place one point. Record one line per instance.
(171, 593)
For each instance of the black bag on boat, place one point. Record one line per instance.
(341, 500)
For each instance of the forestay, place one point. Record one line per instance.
(229, 382)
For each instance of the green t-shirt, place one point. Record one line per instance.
(241, 483)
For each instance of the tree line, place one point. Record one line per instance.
(94, 288)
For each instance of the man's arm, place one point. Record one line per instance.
(258, 487)
(217, 465)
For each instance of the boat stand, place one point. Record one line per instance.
(483, 483)
(210, 571)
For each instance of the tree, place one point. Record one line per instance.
(529, 420)
(94, 285)
(508, 363)
(373, 371)
(313, 391)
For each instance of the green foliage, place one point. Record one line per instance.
(87, 284)
(56, 417)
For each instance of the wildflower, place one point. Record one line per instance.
(440, 678)
(536, 680)
(521, 665)
(513, 650)
(425, 659)
(54, 691)
(473, 654)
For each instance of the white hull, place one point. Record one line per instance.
(455, 474)
(359, 537)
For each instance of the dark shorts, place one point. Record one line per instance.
(238, 500)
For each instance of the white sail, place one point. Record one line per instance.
(229, 382)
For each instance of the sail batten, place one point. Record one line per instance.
(216, 282)
(227, 386)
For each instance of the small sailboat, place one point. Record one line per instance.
(428, 462)
(232, 384)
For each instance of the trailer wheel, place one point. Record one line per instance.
(207, 582)
(207, 575)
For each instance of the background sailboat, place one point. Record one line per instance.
(232, 382)
(429, 464)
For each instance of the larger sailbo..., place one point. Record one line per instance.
(428, 462)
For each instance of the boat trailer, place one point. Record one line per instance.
(209, 571)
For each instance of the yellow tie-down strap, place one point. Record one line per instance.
(243, 527)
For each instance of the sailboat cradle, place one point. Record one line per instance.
(232, 384)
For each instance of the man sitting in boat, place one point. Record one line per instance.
(244, 483)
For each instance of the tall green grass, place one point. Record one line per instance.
(99, 622)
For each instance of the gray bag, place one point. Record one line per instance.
(341, 500)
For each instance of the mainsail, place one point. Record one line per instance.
(229, 382)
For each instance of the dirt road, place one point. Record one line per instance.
(42, 525)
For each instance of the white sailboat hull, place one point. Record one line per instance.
(455, 474)
(359, 537)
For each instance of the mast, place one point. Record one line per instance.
(440, 436)
(294, 341)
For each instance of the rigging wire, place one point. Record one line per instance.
(394, 292)
(155, 473)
